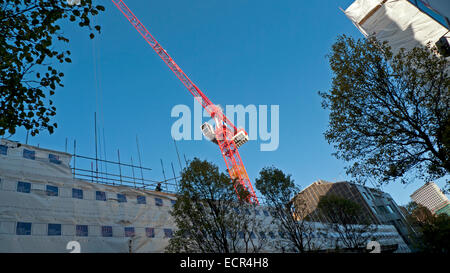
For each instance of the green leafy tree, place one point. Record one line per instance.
(389, 114)
(435, 235)
(289, 215)
(430, 233)
(28, 79)
(210, 215)
(345, 218)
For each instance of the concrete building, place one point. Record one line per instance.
(378, 206)
(431, 197)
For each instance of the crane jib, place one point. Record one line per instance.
(224, 126)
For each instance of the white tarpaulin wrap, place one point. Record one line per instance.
(361, 8)
(39, 209)
(399, 22)
(29, 212)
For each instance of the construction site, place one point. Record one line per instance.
(67, 201)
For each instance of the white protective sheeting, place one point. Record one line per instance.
(36, 207)
(39, 209)
(360, 9)
(399, 22)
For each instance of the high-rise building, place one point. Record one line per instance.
(431, 197)
(377, 206)
(402, 23)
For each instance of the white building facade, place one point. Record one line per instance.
(431, 197)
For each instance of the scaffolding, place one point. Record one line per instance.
(122, 174)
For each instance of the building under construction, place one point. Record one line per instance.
(49, 202)
(47, 205)
(402, 23)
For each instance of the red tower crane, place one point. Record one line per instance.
(225, 134)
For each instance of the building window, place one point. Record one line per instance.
(168, 233)
(29, 154)
(158, 202)
(23, 187)
(52, 190)
(23, 228)
(129, 232)
(271, 234)
(236, 210)
(241, 235)
(3, 150)
(266, 213)
(389, 208)
(262, 235)
(367, 196)
(54, 159)
(141, 199)
(121, 198)
(150, 232)
(107, 231)
(257, 212)
(100, 195)
(382, 209)
(173, 202)
(77, 193)
(54, 230)
(82, 230)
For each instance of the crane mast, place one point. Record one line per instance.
(225, 134)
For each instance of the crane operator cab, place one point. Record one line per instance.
(240, 138)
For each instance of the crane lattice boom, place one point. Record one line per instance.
(225, 133)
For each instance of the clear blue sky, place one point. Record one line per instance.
(261, 52)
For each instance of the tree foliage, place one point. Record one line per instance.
(210, 216)
(28, 79)
(345, 218)
(389, 114)
(430, 233)
(289, 216)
